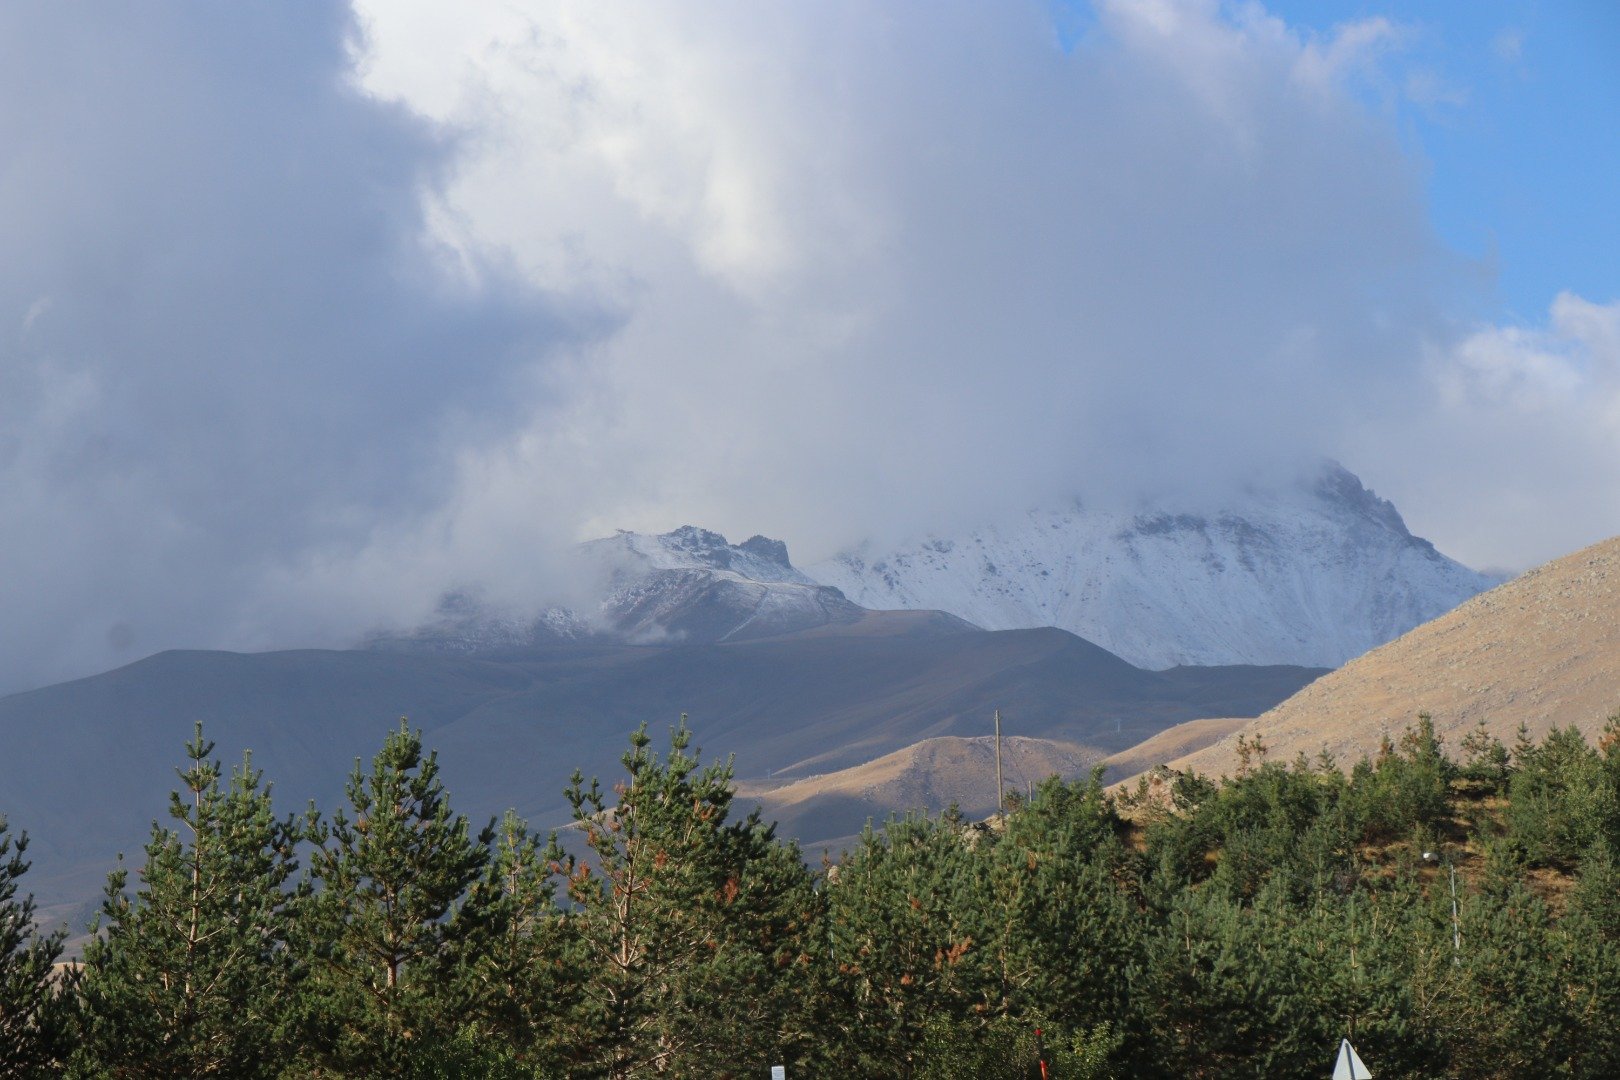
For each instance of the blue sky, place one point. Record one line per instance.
(1515, 106)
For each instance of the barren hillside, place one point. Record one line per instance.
(830, 809)
(1543, 649)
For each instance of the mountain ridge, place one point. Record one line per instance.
(1309, 573)
(1312, 573)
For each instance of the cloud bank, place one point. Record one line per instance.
(228, 342)
(883, 271)
(308, 314)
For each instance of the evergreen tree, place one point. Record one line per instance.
(906, 931)
(1344, 965)
(1514, 1017)
(1204, 993)
(1609, 800)
(33, 1007)
(1486, 759)
(1407, 789)
(1589, 948)
(527, 968)
(1009, 1048)
(697, 931)
(1560, 800)
(190, 976)
(389, 931)
(1061, 936)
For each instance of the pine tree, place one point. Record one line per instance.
(1517, 1011)
(1061, 935)
(906, 929)
(1487, 760)
(1589, 946)
(527, 968)
(1204, 994)
(393, 923)
(33, 1007)
(191, 976)
(696, 930)
(1560, 800)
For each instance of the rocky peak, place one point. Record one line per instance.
(708, 548)
(765, 548)
(1341, 487)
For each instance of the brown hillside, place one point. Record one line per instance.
(1542, 650)
(830, 809)
(1169, 744)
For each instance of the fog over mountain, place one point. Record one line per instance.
(1311, 573)
(310, 314)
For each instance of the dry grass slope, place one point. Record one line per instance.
(1169, 744)
(827, 810)
(1542, 650)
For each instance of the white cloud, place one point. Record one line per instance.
(234, 349)
(336, 322)
(1509, 448)
(881, 269)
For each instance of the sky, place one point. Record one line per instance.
(311, 312)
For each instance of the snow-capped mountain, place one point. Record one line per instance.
(1313, 573)
(630, 555)
(689, 585)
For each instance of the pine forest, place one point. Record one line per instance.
(1453, 911)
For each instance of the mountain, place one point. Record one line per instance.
(1542, 650)
(690, 585)
(88, 764)
(1310, 573)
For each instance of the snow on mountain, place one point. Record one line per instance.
(689, 585)
(692, 585)
(629, 555)
(1313, 573)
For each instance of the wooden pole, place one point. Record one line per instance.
(998, 762)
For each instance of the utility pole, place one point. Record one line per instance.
(998, 762)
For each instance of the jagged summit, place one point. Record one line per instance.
(1312, 572)
(765, 548)
(758, 558)
(1336, 484)
(689, 585)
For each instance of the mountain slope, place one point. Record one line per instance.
(87, 764)
(1314, 574)
(1171, 743)
(827, 810)
(1542, 650)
